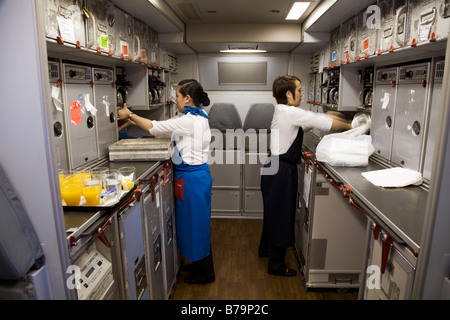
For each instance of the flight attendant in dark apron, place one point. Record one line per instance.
(279, 184)
(193, 182)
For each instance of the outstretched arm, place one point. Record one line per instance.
(339, 121)
(124, 115)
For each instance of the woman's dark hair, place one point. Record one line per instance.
(195, 90)
(283, 84)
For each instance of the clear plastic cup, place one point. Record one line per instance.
(126, 177)
(97, 173)
(114, 171)
(111, 187)
(62, 174)
(82, 174)
(71, 191)
(91, 192)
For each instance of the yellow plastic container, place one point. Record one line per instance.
(92, 195)
(71, 193)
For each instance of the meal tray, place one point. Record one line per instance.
(105, 205)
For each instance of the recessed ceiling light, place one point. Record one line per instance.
(242, 51)
(297, 10)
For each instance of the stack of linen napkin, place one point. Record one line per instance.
(393, 177)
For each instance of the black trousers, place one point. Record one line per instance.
(277, 255)
(203, 269)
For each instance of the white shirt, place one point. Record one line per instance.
(286, 122)
(191, 134)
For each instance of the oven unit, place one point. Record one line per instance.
(383, 111)
(56, 114)
(79, 114)
(410, 115)
(435, 113)
(105, 103)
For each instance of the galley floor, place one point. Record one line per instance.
(242, 275)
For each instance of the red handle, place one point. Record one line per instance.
(353, 203)
(336, 185)
(99, 233)
(127, 203)
(165, 174)
(319, 168)
(166, 168)
(73, 241)
(346, 190)
(433, 37)
(138, 194)
(153, 182)
(387, 243)
(376, 231)
(307, 157)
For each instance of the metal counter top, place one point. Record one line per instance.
(400, 209)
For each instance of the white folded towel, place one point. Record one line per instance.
(393, 177)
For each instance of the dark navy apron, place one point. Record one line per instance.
(279, 193)
(193, 185)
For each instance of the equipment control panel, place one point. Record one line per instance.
(414, 73)
(103, 75)
(95, 275)
(387, 75)
(77, 73)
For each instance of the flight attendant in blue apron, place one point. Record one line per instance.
(279, 187)
(193, 182)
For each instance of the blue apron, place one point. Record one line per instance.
(193, 185)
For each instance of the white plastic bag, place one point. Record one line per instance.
(350, 148)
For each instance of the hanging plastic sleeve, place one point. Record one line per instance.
(88, 104)
(106, 104)
(55, 98)
(66, 29)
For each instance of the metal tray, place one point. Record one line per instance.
(141, 149)
(107, 205)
